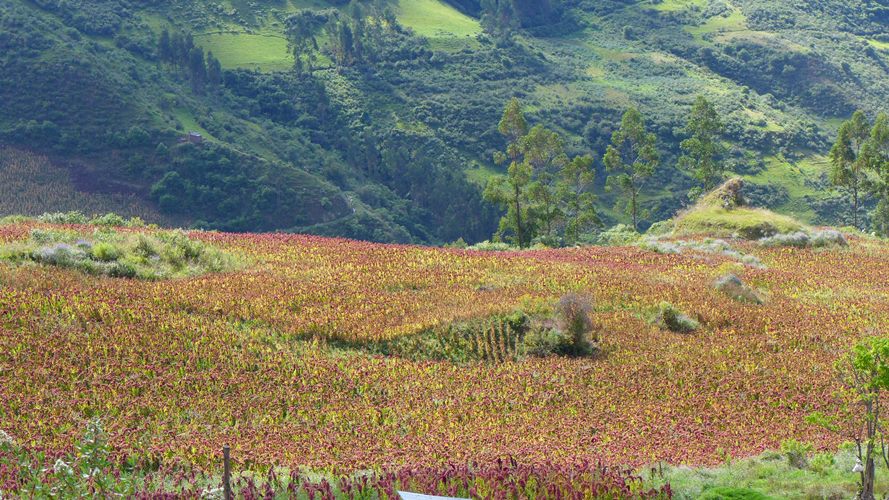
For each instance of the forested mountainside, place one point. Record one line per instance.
(379, 119)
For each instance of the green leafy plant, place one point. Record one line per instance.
(821, 463)
(797, 452)
(668, 317)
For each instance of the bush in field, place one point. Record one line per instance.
(797, 453)
(105, 252)
(821, 463)
(505, 337)
(497, 339)
(800, 239)
(829, 237)
(668, 317)
(732, 286)
(541, 342)
(109, 220)
(618, 236)
(63, 218)
(574, 320)
(122, 255)
(491, 246)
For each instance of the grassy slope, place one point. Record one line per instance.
(251, 51)
(446, 28)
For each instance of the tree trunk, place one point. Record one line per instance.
(633, 209)
(867, 486)
(855, 207)
(520, 232)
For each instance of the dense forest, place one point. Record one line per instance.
(381, 119)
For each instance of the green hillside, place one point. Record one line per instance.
(393, 141)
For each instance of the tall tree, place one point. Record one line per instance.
(186, 48)
(300, 32)
(499, 18)
(176, 42)
(214, 70)
(575, 192)
(847, 164)
(511, 191)
(875, 153)
(632, 156)
(196, 69)
(542, 149)
(342, 43)
(165, 47)
(513, 125)
(702, 150)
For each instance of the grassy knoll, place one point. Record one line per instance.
(723, 213)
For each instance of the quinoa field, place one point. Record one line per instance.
(276, 359)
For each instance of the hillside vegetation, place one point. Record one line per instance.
(392, 140)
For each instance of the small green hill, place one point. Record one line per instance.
(723, 213)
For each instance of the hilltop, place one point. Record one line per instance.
(397, 148)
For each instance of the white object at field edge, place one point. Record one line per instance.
(405, 495)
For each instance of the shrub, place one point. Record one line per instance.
(124, 255)
(503, 337)
(541, 341)
(732, 286)
(74, 217)
(829, 237)
(489, 246)
(105, 252)
(796, 453)
(662, 247)
(573, 319)
(59, 254)
(661, 228)
(459, 243)
(821, 463)
(799, 239)
(14, 219)
(617, 236)
(668, 317)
